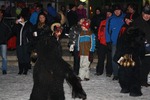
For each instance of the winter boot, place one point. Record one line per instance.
(20, 68)
(26, 67)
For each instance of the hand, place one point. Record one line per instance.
(91, 56)
(71, 49)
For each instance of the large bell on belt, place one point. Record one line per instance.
(34, 56)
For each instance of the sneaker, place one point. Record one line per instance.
(25, 72)
(108, 75)
(20, 72)
(4, 72)
(98, 74)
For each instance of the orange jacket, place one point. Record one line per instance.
(101, 32)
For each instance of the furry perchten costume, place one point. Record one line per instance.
(128, 55)
(49, 73)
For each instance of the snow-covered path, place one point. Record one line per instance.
(16, 87)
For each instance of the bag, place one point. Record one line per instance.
(126, 61)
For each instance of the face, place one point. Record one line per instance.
(117, 12)
(74, 8)
(80, 6)
(42, 18)
(98, 12)
(38, 9)
(57, 34)
(22, 19)
(108, 14)
(146, 17)
(130, 10)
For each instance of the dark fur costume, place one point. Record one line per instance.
(49, 73)
(131, 42)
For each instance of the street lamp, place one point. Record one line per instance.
(82, 0)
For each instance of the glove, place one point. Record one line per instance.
(71, 49)
(91, 56)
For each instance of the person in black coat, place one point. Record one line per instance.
(40, 29)
(96, 20)
(143, 23)
(73, 27)
(23, 30)
(72, 16)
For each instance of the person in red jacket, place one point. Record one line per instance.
(103, 49)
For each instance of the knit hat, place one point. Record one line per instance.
(86, 23)
(116, 7)
(109, 10)
(146, 9)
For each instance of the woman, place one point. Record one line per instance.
(41, 29)
(23, 29)
(81, 11)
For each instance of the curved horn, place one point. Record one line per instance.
(63, 18)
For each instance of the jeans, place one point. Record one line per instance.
(3, 49)
(114, 64)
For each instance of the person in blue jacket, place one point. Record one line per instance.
(113, 26)
(34, 16)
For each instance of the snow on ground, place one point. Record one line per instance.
(16, 87)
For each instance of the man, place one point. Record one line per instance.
(143, 24)
(73, 21)
(72, 15)
(4, 34)
(113, 26)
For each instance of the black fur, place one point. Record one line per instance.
(49, 73)
(131, 42)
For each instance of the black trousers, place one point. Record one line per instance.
(76, 65)
(145, 69)
(23, 55)
(104, 54)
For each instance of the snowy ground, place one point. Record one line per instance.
(15, 87)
